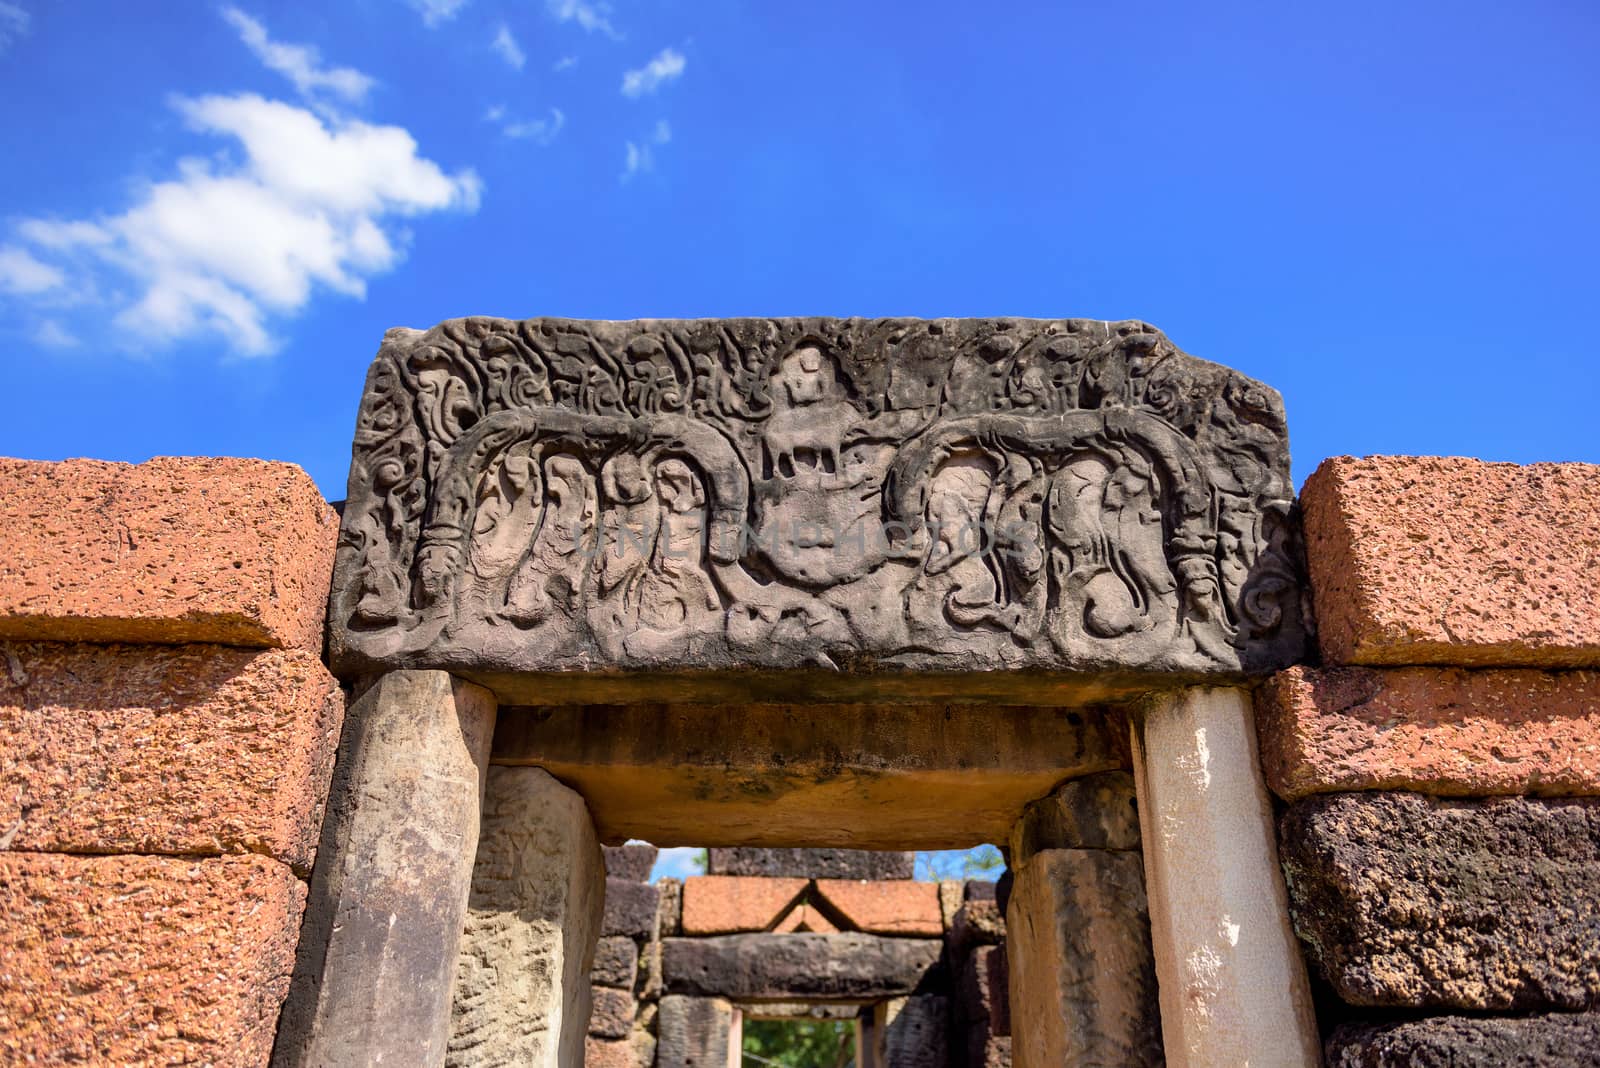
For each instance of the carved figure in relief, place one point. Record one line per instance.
(941, 493)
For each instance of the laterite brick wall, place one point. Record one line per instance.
(167, 730)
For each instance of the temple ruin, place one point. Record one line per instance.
(1277, 781)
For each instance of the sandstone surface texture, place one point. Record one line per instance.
(1094, 812)
(1555, 1040)
(1445, 560)
(1409, 901)
(812, 863)
(522, 993)
(694, 1033)
(948, 776)
(616, 962)
(814, 495)
(632, 861)
(798, 966)
(1441, 731)
(179, 549)
(915, 1031)
(1082, 975)
(144, 960)
(389, 893)
(183, 749)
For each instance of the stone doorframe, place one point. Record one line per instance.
(394, 889)
(636, 545)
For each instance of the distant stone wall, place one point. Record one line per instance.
(801, 934)
(1441, 766)
(167, 731)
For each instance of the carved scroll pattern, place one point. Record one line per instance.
(930, 494)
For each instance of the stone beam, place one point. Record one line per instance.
(861, 500)
(864, 776)
(789, 967)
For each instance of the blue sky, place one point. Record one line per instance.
(212, 212)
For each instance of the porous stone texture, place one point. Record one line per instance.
(187, 749)
(950, 898)
(1556, 1040)
(989, 1052)
(977, 923)
(522, 994)
(144, 960)
(616, 962)
(610, 1017)
(1233, 985)
(630, 909)
(389, 893)
(776, 967)
(727, 904)
(632, 861)
(1094, 812)
(1410, 901)
(946, 776)
(1445, 560)
(1442, 731)
(694, 1033)
(1082, 977)
(915, 1031)
(901, 907)
(669, 913)
(821, 496)
(179, 549)
(812, 863)
(638, 1050)
(985, 990)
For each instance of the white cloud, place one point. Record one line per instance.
(13, 23)
(540, 131)
(52, 335)
(226, 245)
(640, 156)
(591, 16)
(22, 274)
(436, 11)
(301, 64)
(565, 63)
(507, 46)
(666, 66)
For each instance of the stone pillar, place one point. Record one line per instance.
(696, 1033)
(1233, 983)
(911, 1032)
(1082, 977)
(389, 891)
(522, 977)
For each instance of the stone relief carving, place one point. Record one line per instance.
(847, 494)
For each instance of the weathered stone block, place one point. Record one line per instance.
(814, 493)
(189, 749)
(630, 909)
(522, 992)
(389, 893)
(612, 1012)
(977, 923)
(632, 861)
(988, 1051)
(927, 776)
(638, 1050)
(1442, 731)
(179, 549)
(979, 890)
(670, 912)
(985, 989)
(902, 907)
(1094, 812)
(616, 962)
(1557, 1040)
(144, 960)
(771, 967)
(693, 1033)
(1444, 560)
(1082, 976)
(915, 1031)
(950, 898)
(811, 863)
(1406, 900)
(728, 904)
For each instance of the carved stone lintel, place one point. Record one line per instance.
(895, 494)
